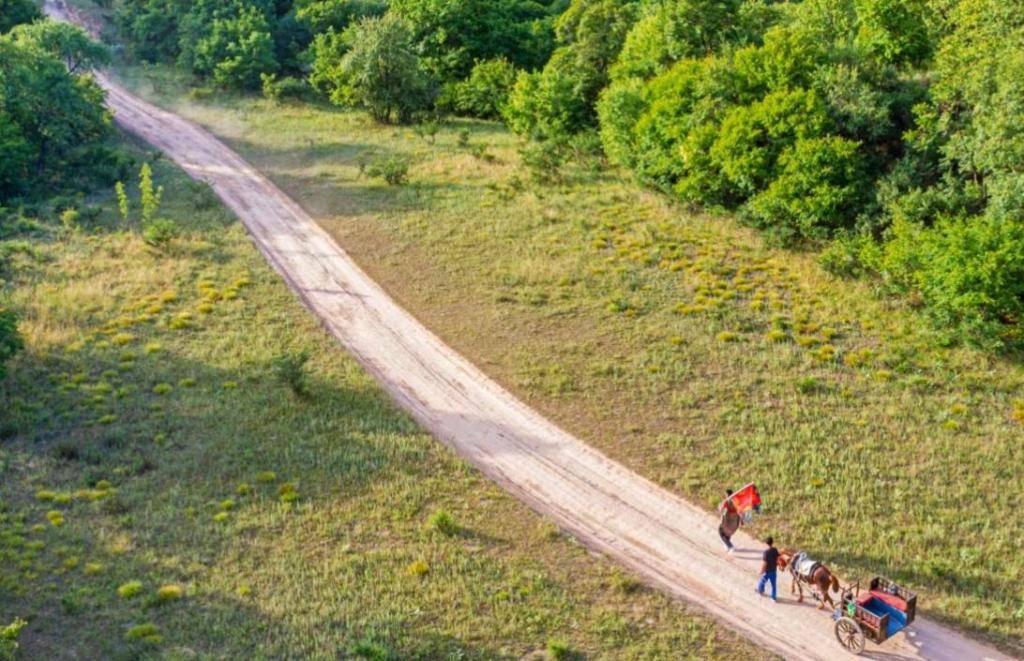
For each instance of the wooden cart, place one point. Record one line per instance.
(875, 614)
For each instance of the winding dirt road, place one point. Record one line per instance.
(672, 544)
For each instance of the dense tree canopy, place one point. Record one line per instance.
(51, 120)
(16, 12)
(890, 130)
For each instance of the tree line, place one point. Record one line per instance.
(885, 133)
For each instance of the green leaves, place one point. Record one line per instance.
(382, 71)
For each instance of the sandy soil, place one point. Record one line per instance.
(670, 543)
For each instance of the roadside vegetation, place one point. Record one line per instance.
(189, 465)
(813, 283)
(681, 344)
(882, 133)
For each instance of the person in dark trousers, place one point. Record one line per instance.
(769, 569)
(730, 521)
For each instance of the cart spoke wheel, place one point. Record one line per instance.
(850, 635)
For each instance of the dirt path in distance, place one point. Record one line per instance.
(670, 543)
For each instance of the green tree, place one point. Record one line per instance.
(53, 120)
(561, 99)
(486, 91)
(17, 12)
(238, 50)
(752, 137)
(678, 29)
(323, 15)
(898, 32)
(150, 27)
(453, 34)
(65, 41)
(820, 188)
(382, 72)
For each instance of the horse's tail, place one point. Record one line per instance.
(835, 583)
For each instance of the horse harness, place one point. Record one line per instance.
(803, 566)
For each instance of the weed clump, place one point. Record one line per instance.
(560, 650)
(146, 633)
(290, 369)
(394, 170)
(130, 590)
(444, 523)
(419, 568)
(169, 592)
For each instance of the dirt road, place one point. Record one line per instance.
(671, 543)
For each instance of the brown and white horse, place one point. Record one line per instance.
(820, 578)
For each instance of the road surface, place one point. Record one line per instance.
(671, 543)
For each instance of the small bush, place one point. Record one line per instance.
(159, 232)
(394, 170)
(9, 638)
(280, 89)
(820, 188)
(544, 159)
(427, 130)
(290, 369)
(146, 633)
(169, 592)
(129, 590)
(560, 650)
(418, 568)
(486, 91)
(444, 523)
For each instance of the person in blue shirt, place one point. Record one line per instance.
(769, 569)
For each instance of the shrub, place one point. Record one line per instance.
(486, 91)
(9, 638)
(970, 273)
(560, 650)
(129, 590)
(560, 99)
(618, 110)
(394, 170)
(444, 523)
(544, 159)
(237, 50)
(10, 339)
(170, 592)
(752, 138)
(149, 197)
(290, 369)
(382, 71)
(159, 232)
(279, 89)
(147, 633)
(820, 188)
(16, 12)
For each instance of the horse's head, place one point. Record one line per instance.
(785, 557)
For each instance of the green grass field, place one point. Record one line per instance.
(165, 494)
(679, 344)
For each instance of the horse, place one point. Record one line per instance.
(820, 577)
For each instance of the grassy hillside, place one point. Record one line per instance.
(165, 493)
(679, 344)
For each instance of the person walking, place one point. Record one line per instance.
(769, 569)
(730, 522)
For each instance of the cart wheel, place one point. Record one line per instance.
(849, 635)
